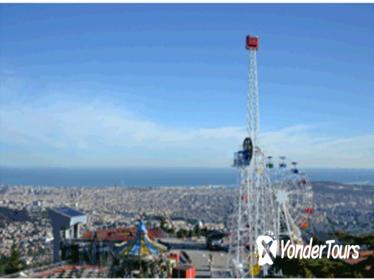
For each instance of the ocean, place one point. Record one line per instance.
(157, 177)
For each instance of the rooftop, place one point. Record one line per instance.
(69, 212)
(120, 234)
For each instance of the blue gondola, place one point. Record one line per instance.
(282, 164)
(243, 157)
(295, 169)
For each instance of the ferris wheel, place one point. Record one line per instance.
(255, 212)
(272, 200)
(294, 199)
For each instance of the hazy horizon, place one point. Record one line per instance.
(165, 167)
(158, 176)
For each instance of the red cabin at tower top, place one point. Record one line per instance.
(251, 43)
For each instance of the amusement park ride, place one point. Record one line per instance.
(274, 201)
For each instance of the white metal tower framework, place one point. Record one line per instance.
(272, 201)
(255, 212)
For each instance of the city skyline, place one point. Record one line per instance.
(165, 85)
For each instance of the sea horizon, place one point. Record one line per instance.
(158, 176)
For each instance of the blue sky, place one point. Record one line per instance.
(165, 85)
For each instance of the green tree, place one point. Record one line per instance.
(182, 233)
(2, 265)
(197, 231)
(14, 263)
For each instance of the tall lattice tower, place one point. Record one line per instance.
(255, 210)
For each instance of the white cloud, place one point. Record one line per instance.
(304, 144)
(84, 129)
(53, 131)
